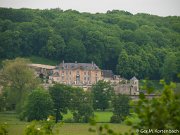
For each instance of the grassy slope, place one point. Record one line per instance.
(41, 60)
(16, 127)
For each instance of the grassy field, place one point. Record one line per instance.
(16, 127)
(69, 129)
(102, 117)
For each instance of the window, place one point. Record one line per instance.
(96, 73)
(77, 78)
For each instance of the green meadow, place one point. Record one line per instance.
(101, 117)
(17, 127)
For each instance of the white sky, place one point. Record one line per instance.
(156, 7)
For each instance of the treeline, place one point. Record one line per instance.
(139, 45)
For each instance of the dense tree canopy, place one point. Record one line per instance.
(111, 39)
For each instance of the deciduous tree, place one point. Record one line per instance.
(102, 95)
(39, 106)
(18, 80)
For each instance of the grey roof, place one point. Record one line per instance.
(107, 73)
(83, 66)
(133, 79)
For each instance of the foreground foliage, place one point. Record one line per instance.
(45, 127)
(159, 113)
(3, 129)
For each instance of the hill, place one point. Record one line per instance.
(139, 45)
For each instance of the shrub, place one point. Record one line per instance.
(3, 129)
(116, 119)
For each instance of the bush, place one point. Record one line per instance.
(69, 120)
(116, 119)
(84, 112)
(45, 127)
(3, 129)
(132, 120)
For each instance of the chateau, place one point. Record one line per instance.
(85, 75)
(76, 73)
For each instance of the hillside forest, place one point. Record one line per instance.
(141, 45)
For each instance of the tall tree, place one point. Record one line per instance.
(60, 94)
(39, 106)
(102, 92)
(81, 104)
(121, 108)
(18, 80)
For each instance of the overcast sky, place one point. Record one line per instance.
(156, 7)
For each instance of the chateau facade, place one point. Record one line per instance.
(76, 74)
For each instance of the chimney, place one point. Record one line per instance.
(92, 64)
(63, 63)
